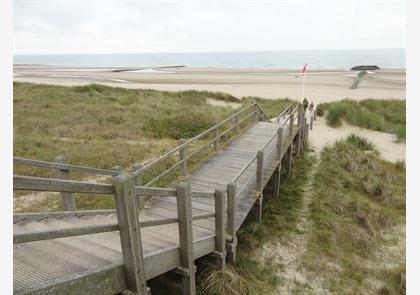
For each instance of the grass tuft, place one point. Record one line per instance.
(381, 115)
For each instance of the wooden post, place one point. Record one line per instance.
(237, 123)
(279, 143)
(306, 132)
(128, 222)
(289, 159)
(183, 196)
(138, 181)
(292, 118)
(231, 241)
(183, 165)
(220, 226)
(300, 124)
(67, 199)
(277, 182)
(300, 112)
(255, 114)
(216, 139)
(302, 136)
(259, 187)
(260, 173)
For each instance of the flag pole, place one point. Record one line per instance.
(303, 85)
(304, 80)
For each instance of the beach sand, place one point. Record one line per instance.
(322, 85)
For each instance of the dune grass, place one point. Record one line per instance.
(376, 114)
(100, 126)
(358, 211)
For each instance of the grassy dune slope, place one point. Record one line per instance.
(100, 126)
(358, 210)
(381, 115)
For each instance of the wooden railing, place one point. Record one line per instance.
(124, 191)
(62, 168)
(233, 123)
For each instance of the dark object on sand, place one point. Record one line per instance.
(365, 68)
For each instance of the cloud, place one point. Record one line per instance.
(173, 26)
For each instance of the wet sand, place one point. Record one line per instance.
(322, 85)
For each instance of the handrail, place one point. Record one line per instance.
(262, 112)
(248, 164)
(284, 112)
(92, 229)
(244, 168)
(63, 185)
(59, 185)
(55, 165)
(191, 140)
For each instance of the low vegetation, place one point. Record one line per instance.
(381, 115)
(358, 209)
(100, 126)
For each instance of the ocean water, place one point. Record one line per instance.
(384, 58)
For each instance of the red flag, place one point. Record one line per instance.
(305, 68)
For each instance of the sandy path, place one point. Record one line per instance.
(322, 135)
(289, 254)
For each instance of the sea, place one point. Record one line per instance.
(343, 58)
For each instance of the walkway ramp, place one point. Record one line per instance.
(81, 252)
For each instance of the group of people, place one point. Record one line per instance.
(305, 105)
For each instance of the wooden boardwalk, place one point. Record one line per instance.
(81, 252)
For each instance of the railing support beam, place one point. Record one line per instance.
(216, 139)
(138, 181)
(183, 166)
(220, 227)
(237, 124)
(279, 143)
(292, 118)
(231, 241)
(183, 196)
(259, 189)
(67, 199)
(277, 182)
(290, 159)
(128, 222)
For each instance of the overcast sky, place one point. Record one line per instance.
(103, 26)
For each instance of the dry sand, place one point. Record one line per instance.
(321, 84)
(322, 135)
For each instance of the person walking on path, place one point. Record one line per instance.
(311, 107)
(305, 104)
